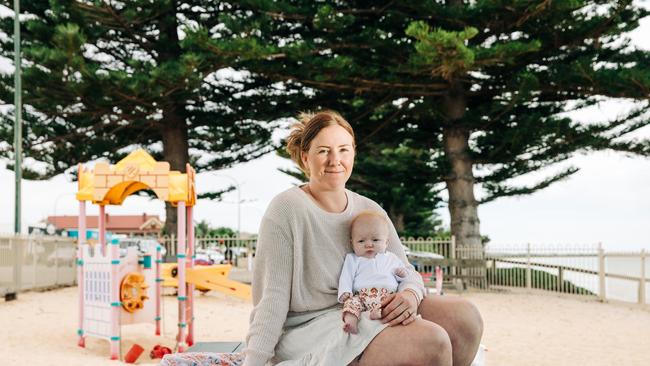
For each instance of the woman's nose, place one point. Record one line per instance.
(335, 158)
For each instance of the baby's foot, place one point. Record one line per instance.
(350, 323)
(375, 314)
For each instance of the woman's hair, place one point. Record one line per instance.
(308, 126)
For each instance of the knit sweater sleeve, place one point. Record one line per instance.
(413, 280)
(271, 291)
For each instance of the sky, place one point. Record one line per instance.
(607, 201)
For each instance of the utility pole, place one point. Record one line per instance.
(18, 133)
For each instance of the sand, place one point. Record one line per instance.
(520, 329)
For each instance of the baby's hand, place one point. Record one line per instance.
(345, 296)
(400, 272)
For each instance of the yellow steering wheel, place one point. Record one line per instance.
(133, 292)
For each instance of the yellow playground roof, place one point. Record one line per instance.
(111, 184)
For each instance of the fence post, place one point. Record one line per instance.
(601, 273)
(249, 255)
(528, 269)
(172, 246)
(34, 263)
(19, 267)
(642, 279)
(56, 258)
(452, 256)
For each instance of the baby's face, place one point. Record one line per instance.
(369, 236)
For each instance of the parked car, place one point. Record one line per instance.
(202, 260)
(208, 256)
(143, 244)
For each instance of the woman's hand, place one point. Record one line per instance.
(399, 308)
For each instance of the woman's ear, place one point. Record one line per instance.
(303, 158)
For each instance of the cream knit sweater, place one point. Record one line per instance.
(300, 254)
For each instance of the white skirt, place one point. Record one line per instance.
(321, 341)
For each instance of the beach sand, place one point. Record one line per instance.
(520, 329)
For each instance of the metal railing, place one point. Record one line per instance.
(585, 270)
(578, 270)
(36, 262)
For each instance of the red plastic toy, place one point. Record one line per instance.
(133, 354)
(159, 351)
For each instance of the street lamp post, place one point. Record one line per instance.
(18, 134)
(249, 253)
(238, 200)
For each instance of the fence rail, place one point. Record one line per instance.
(36, 262)
(33, 262)
(581, 270)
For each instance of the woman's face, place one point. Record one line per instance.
(330, 158)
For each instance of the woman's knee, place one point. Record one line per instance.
(469, 323)
(434, 346)
(459, 317)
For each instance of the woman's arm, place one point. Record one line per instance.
(271, 291)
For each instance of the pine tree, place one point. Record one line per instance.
(490, 81)
(102, 77)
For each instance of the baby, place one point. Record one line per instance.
(370, 273)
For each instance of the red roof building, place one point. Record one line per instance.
(138, 225)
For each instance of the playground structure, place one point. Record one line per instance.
(113, 290)
(207, 278)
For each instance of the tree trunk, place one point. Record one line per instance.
(460, 180)
(397, 218)
(174, 128)
(175, 151)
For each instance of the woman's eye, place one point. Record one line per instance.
(322, 151)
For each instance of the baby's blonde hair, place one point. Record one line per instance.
(369, 213)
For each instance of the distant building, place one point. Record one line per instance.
(131, 225)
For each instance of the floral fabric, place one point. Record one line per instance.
(367, 299)
(203, 359)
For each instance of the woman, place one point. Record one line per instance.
(303, 239)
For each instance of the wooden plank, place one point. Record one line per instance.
(217, 347)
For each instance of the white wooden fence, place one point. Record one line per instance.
(36, 262)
